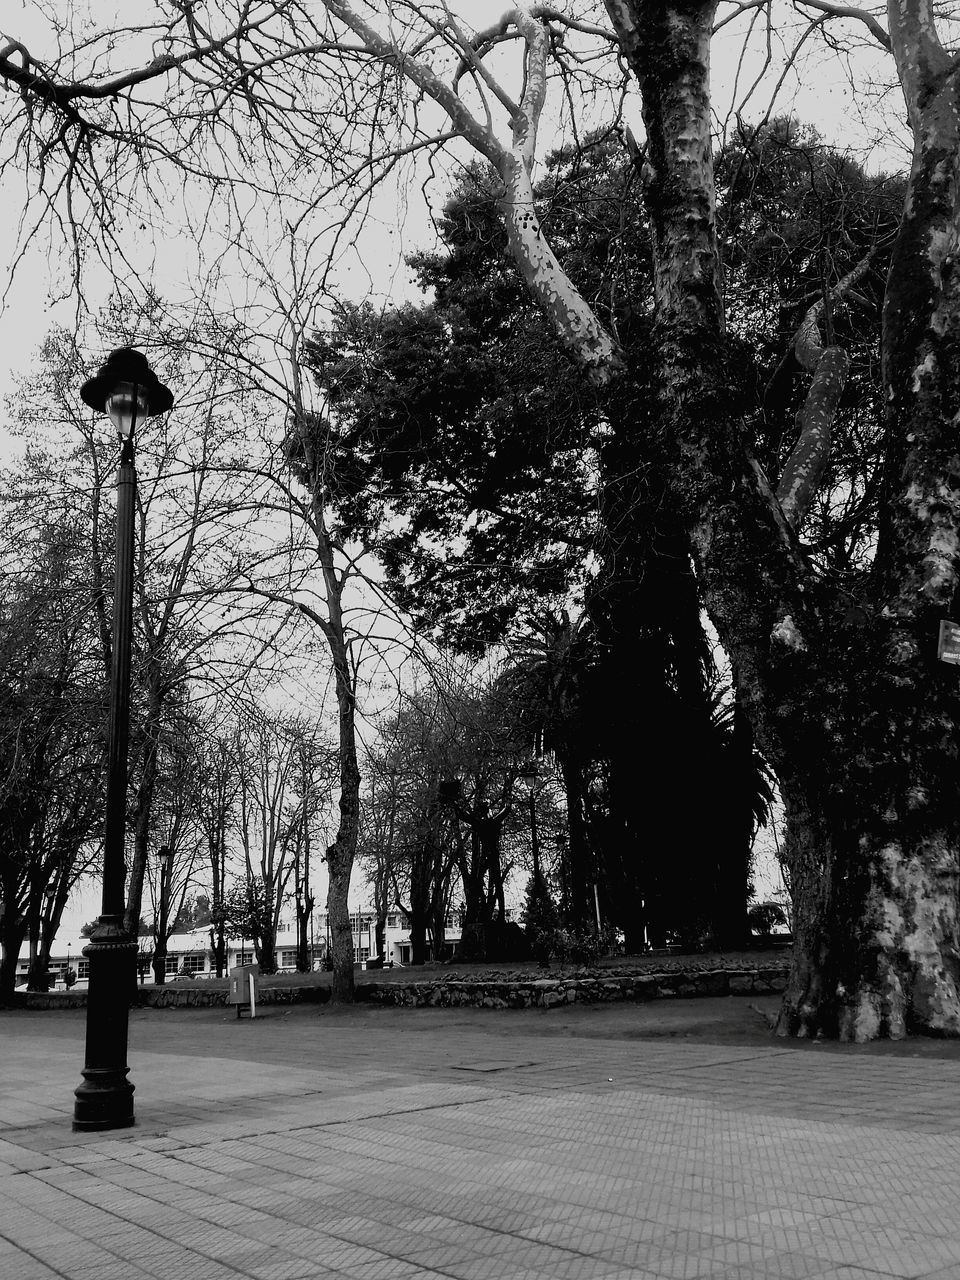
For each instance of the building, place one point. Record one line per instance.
(189, 954)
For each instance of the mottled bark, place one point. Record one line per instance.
(568, 313)
(341, 854)
(341, 934)
(878, 949)
(872, 837)
(668, 48)
(828, 365)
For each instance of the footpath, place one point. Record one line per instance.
(675, 1139)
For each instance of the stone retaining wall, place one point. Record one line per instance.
(547, 993)
(443, 992)
(456, 992)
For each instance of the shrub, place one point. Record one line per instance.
(580, 946)
(539, 919)
(764, 916)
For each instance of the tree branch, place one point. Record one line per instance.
(829, 365)
(850, 11)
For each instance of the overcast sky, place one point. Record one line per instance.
(819, 94)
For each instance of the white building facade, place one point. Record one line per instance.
(190, 955)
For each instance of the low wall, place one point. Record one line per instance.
(447, 992)
(202, 995)
(547, 993)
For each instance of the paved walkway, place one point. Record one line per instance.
(377, 1144)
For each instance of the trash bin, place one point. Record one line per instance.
(244, 988)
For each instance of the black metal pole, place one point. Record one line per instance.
(105, 1098)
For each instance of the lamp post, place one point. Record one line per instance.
(127, 389)
(531, 774)
(46, 932)
(165, 857)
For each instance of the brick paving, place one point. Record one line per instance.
(380, 1144)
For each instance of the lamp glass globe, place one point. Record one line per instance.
(126, 405)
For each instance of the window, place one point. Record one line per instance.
(360, 954)
(170, 965)
(288, 959)
(393, 921)
(195, 963)
(83, 968)
(245, 957)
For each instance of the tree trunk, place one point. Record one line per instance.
(342, 853)
(872, 852)
(419, 910)
(218, 871)
(578, 878)
(419, 952)
(340, 930)
(875, 874)
(634, 940)
(268, 951)
(470, 866)
(340, 856)
(218, 949)
(38, 968)
(304, 960)
(12, 934)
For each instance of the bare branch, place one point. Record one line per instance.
(849, 11)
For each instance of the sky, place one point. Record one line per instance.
(821, 95)
(400, 219)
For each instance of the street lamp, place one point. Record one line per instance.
(531, 774)
(165, 858)
(127, 389)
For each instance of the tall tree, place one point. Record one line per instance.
(51, 747)
(187, 504)
(218, 780)
(272, 819)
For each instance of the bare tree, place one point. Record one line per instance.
(176, 818)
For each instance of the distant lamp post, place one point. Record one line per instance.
(126, 389)
(165, 857)
(531, 774)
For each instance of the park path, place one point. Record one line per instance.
(376, 1144)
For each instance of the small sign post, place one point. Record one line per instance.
(948, 644)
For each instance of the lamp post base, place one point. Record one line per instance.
(105, 1098)
(103, 1101)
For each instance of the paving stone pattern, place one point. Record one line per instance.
(391, 1144)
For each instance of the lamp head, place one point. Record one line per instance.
(127, 389)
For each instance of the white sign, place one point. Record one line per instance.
(948, 646)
